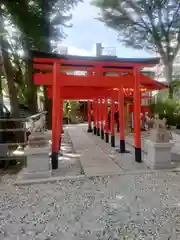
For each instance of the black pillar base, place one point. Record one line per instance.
(138, 157)
(54, 160)
(122, 146)
(107, 137)
(98, 132)
(112, 141)
(102, 134)
(89, 128)
(95, 130)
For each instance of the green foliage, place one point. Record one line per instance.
(22, 15)
(166, 108)
(146, 24)
(26, 25)
(175, 86)
(46, 18)
(70, 107)
(142, 23)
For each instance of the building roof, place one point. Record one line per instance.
(153, 61)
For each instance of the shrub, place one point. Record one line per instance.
(167, 108)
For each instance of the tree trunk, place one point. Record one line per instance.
(7, 70)
(168, 76)
(8, 73)
(1, 94)
(48, 108)
(1, 107)
(31, 88)
(46, 7)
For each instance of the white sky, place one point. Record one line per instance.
(87, 31)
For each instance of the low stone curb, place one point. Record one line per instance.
(47, 180)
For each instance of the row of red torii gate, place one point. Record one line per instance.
(104, 79)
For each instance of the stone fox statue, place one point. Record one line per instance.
(38, 137)
(39, 125)
(159, 132)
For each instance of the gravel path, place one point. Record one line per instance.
(130, 206)
(145, 206)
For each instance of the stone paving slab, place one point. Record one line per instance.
(125, 161)
(94, 161)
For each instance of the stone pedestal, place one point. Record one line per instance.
(38, 162)
(159, 155)
(48, 134)
(38, 139)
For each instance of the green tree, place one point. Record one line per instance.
(166, 108)
(7, 69)
(35, 23)
(146, 24)
(175, 86)
(55, 16)
(48, 19)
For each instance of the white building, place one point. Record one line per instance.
(63, 50)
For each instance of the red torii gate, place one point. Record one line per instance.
(96, 84)
(76, 93)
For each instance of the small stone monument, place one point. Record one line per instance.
(150, 123)
(159, 146)
(37, 151)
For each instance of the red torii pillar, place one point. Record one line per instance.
(89, 117)
(112, 123)
(56, 109)
(102, 118)
(98, 117)
(95, 118)
(121, 119)
(106, 128)
(137, 113)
